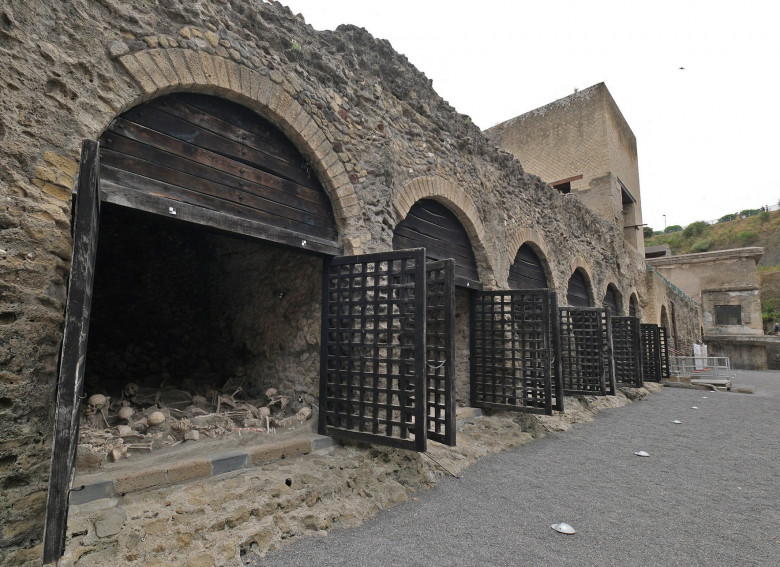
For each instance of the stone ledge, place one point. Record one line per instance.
(104, 485)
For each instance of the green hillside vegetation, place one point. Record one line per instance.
(769, 284)
(763, 229)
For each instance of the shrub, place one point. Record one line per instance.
(702, 245)
(763, 216)
(746, 237)
(727, 218)
(648, 231)
(749, 212)
(695, 229)
(673, 228)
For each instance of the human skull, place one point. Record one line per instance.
(156, 418)
(95, 403)
(304, 413)
(271, 392)
(130, 390)
(125, 413)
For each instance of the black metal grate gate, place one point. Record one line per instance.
(372, 371)
(510, 351)
(609, 356)
(651, 352)
(663, 338)
(626, 350)
(583, 348)
(556, 366)
(440, 349)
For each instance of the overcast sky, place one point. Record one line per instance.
(707, 134)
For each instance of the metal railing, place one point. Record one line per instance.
(705, 367)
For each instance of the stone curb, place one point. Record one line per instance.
(97, 487)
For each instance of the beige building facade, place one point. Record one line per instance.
(582, 144)
(724, 282)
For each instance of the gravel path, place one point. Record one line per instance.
(709, 494)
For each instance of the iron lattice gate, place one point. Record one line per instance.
(626, 350)
(651, 352)
(510, 351)
(372, 371)
(663, 338)
(440, 351)
(555, 354)
(585, 351)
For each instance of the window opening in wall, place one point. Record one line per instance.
(564, 185)
(728, 315)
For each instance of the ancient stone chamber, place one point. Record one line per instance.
(184, 177)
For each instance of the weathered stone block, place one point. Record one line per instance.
(189, 470)
(141, 480)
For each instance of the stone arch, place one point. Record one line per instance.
(532, 238)
(632, 306)
(664, 321)
(578, 265)
(618, 296)
(162, 71)
(460, 204)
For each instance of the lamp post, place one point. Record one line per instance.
(664, 223)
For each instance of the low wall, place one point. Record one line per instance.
(746, 352)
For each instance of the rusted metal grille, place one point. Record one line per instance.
(440, 349)
(663, 338)
(510, 351)
(583, 349)
(626, 350)
(651, 352)
(372, 382)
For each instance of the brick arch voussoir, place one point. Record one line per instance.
(162, 71)
(460, 204)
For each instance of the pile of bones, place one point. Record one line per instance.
(147, 419)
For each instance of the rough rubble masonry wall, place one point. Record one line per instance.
(375, 132)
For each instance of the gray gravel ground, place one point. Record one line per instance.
(709, 494)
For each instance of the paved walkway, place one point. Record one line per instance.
(709, 494)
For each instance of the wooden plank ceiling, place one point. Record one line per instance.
(611, 301)
(577, 294)
(219, 157)
(527, 272)
(432, 226)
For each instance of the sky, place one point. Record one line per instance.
(706, 134)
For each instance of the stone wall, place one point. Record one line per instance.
(372, 128)
(666, 305)
(270, 310)
(723, 277)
